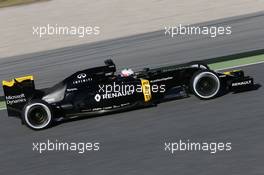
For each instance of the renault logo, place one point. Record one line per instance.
(97, 97)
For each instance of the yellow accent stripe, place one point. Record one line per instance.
(146, 90)
(227, 73)
(20, 79)
(230, 72)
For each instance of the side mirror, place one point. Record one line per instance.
(110, 64)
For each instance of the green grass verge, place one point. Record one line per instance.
(2, 105)
(6, 3)
(237, 62)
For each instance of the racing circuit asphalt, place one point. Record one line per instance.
(133, 142)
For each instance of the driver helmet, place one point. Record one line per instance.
(127, 72)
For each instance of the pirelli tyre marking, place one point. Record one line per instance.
(146, 90)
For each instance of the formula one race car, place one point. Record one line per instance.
(100, 90)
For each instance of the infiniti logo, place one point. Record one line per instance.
(81, 76)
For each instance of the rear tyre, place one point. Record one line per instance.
(37, 115)
(205, 84)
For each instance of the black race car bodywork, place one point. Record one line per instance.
(99, 90)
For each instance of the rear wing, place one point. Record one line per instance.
(17, 93)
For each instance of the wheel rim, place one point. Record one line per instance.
(37, 115)
(206, 85)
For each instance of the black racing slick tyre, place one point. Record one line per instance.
(205, 84)
(37, 115)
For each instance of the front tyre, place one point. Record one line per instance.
(37, 115)
(205, 84)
